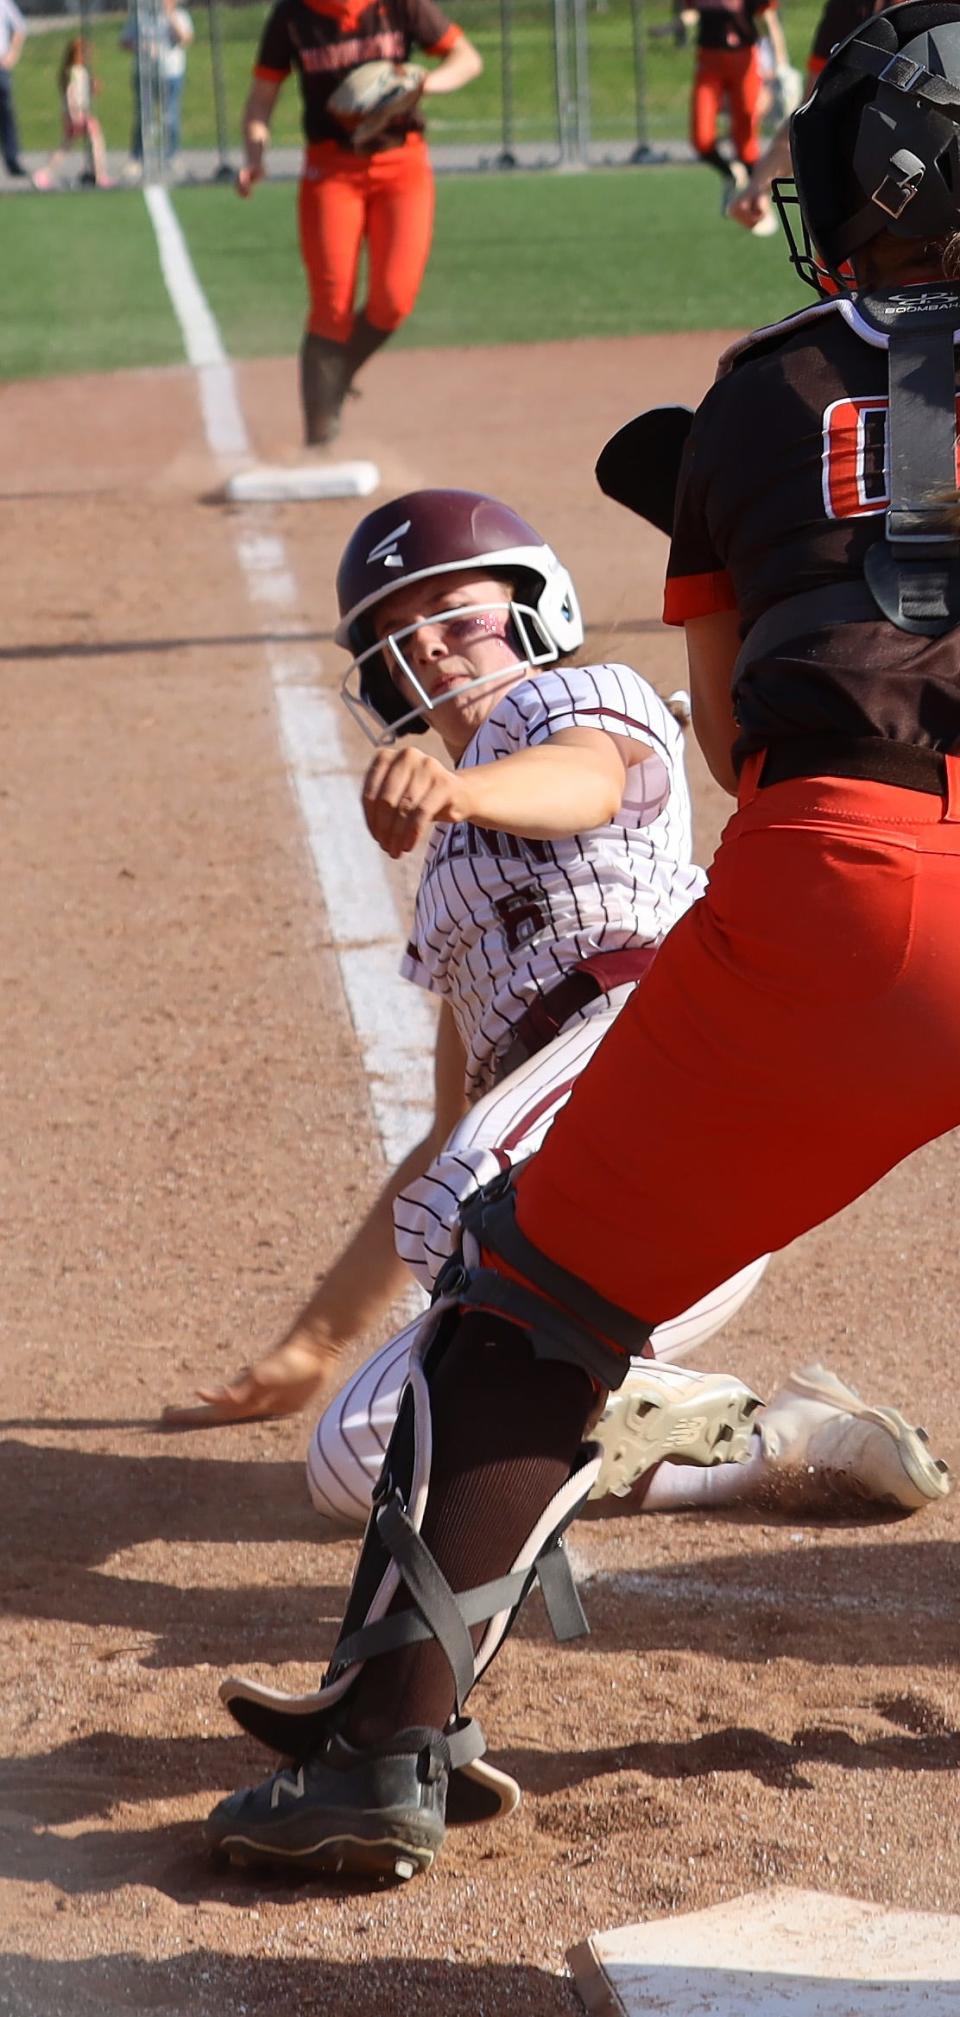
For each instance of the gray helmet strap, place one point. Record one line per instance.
(914, 572)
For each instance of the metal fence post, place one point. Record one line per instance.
(581, 71)
(561, 75)
(150, 28)
(506, 157)
(642, 149)
(223, 171)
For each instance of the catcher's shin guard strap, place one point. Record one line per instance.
(565, 1317)
(445, 1617)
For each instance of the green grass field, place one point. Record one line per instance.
(472, 116)
(517, 258)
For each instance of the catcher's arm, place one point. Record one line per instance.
(257, 114)
(713, 644)
(459, 66)
(366, 1277)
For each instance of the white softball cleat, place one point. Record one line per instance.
(820, 1436)
(666, 1413)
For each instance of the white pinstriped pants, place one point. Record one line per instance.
(506, 1126)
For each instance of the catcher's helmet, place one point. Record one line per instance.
(435, 532)
(876, 148)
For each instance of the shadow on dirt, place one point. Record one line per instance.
(207, 1983)
(69, 1511)
(767, 1759)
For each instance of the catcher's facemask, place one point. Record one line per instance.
(876, 147)
(519, 626)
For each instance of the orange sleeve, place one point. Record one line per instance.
(689, 595)
(270, 76)
(447, 41)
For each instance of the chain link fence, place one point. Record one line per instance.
(566, 83)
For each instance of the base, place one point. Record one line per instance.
(306, 485)
(799, 1953)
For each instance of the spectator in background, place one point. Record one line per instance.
(13, 31)
(78, 88)
(166, 52)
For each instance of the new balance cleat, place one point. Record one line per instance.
(375, 1813)
(671, 1414)
(822, 1440)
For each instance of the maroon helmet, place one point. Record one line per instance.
(435, 532)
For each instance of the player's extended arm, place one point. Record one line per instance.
(772, 164)
(568, 785)
(14, 50)
(713, 643)
(257, 114)
(459, 66)
(364, 1280)
(773, 28)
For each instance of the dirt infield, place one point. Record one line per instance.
(187, 1137)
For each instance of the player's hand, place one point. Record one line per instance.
(247, 179)
(405, 792)
(281, 1383)
(748, 208)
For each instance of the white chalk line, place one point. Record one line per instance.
(395, 1026)
(686, 1592)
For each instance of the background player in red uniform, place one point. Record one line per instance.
(378, 193)
(816, 983)
(727, 73)
(751, 206)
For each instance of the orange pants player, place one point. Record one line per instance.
(730, 76)
(385, 200)
(797, 1035)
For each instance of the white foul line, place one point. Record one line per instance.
(394, 1025)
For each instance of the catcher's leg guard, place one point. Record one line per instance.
(323, 385)
(395, 1562)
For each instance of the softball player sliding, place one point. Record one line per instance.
(534, 922)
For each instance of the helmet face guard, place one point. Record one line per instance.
(876, 148)
(530, 640)
(425, 536)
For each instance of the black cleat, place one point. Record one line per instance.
(375, 1813)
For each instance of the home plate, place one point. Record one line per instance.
(315, 481)
(781, 1953)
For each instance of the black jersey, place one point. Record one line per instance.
(730, 24)
(323, 39)
(784, 484)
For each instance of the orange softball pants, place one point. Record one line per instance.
(384, 199)
(731, 75)
(797, 1035)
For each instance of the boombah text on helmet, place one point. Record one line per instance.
(422, 536)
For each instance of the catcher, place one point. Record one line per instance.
(366, 177)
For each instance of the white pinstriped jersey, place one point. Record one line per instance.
(498, 919)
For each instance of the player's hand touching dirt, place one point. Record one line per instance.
(405, 792)
(281, 1383)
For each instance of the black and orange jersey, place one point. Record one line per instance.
(784, 484)
(730, 24)
(323, 39)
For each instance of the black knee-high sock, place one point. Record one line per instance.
(506, 1427)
